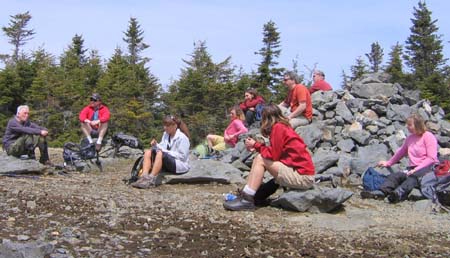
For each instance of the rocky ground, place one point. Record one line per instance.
(97, 215)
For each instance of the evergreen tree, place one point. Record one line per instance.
(197, 95)
(135, 40)
(268, 74)
(424, 45)
(345, 81)
(395, 66)
(17, 33)
(375, 57)
(359, 69)
(424, 56)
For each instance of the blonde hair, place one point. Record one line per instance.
(419, 123)
(239, 114)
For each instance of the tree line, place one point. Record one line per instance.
(56, 88)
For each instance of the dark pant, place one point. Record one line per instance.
(403, 184)
(25, 145)
(168, 162)
(249, 117)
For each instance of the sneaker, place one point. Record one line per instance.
(145, 182)
(242, 202)
(377, 195)
(98, 147)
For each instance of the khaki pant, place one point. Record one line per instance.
(219, 143)
(296, 121)
(289, 177)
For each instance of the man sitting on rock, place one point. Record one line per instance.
(22, 137)
(94, 120)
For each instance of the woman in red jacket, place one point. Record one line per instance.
(252, 99)
(286, 159)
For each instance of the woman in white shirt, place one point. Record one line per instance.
(170, 155)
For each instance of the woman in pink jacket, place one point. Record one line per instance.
(421, 147)
(231, 134)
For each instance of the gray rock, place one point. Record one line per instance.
(324, 159)
(13, 165)
(346, 145)
(36, 249)
(343, 111)
(360, 136)
(311, 134)
(319, 199)
(207, 171)
(368, 156)
(373, 90)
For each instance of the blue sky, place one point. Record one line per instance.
(331, 34)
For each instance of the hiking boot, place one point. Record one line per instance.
(145, 182)
(394, 197)
(46, 163)
(98, 147)
(242, 202)
(377, 195)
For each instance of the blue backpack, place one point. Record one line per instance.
(258, 110)
(372, 179)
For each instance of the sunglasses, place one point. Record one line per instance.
(92, 99)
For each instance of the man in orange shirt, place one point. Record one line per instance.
(297, 106)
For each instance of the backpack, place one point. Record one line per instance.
(442, 187)
(73, 152)
(372, 179)
(258, 109)
(120, 139)
(136, 170)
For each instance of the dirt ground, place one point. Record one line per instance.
(96, 215)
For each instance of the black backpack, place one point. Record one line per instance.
(136, 170)
(120, 139)
(73, 152)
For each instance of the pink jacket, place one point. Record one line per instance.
(235, 128)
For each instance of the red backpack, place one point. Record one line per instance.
(443, 169)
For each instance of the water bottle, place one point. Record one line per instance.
(229, 197)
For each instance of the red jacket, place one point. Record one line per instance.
(251, 103)
(88, 112)
(287, 147)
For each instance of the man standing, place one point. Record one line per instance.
(319, 82)
(297, 106)
(94, 120)
(22, 137)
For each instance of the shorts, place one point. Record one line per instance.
(290, 177)
(219, 143)
(168, 162)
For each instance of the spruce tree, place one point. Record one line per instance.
(17, 32)
(395, 66)
(359, 69)
(135, 40)
(268, 74)
(375, 57)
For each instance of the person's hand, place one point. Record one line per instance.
(44, 133)
(382, 163)
(95, 122)
(153, 142)
(410, 172)
(252, 109)
(87, 121)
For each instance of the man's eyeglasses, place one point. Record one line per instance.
(92, 99)
(286, 79)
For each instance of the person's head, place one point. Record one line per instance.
(250, 94)
(236, 112)
(318, 75)
(23, 112)
(290, 78)
(95, 100)
(271, 114)
(172, 123)
(416, 124)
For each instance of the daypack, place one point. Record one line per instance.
(136, 170)
(258, 109)
(73, 152)
(442, 187)
(372, 179)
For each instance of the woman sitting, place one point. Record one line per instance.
(170, 155)
(421, 148)
(286, 159)
(231, 134)
(252, 99)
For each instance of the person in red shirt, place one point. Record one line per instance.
(297, 106)
(94, 120)
(248, 106)
(286, 159)
(319, 82)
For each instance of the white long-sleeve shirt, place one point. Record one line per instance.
(178, 147)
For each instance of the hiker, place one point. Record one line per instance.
(94, 120)
(23, 136)
(286, 159)
(421, 148)
(231, 133)
(319, 82)
(170, 155)
(297, 105)
(248, 106)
